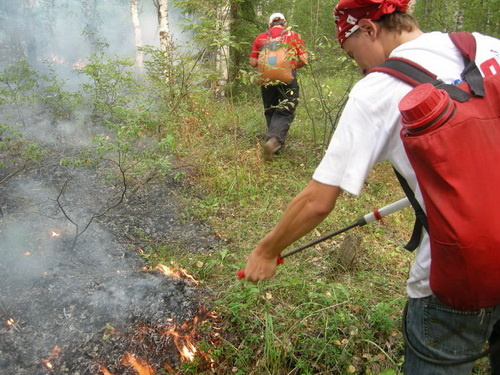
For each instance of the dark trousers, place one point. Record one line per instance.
(280, 102)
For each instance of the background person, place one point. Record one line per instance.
(370, 31)
(280, 99)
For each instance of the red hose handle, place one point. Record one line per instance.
(241, 273)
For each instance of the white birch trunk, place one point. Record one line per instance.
(163, 23)
(139, 55)
(222, 55)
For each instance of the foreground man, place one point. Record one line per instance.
(370, 31)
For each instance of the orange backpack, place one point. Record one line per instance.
(275, 61)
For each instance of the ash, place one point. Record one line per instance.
(69, 307)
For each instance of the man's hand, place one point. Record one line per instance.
(259, 267)
(253, 62)
(302, 215)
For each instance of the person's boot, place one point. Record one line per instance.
(271, 146)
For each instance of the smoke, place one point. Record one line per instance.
(65, 294)
(63, 30)
(66, 270)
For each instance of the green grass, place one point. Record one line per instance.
(315, 316)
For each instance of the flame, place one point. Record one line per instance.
(55, 352)
(188, 351)
(176, 271)
(10, 322)
(27, 253)
(76, 65)
(183, 336)
(104, 370)
(55, 234)
(183, 342)
(58, 60)
(139, 365)
(79, 65)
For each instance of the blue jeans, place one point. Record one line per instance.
(440, 332)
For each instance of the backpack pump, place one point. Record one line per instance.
(451, 135)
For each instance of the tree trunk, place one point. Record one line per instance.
(222, 54)
(139, 55)
(162, 7)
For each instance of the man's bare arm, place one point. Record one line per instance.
(306, 211)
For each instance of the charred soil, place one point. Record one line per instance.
(75, 296)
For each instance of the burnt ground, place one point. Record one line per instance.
(77, 307)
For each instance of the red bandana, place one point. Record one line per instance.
(348, 13)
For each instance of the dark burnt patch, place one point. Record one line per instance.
(74, 296)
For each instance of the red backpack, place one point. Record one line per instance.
(451, 135)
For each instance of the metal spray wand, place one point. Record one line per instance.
(368, 218)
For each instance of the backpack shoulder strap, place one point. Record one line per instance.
(466, 44)
(420, 216)
(266, 41)
(414, 74)
(406, 71)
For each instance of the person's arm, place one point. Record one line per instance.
(303, 60)
(306, 211)
(302, 57)
(253, 62)
(254, 55)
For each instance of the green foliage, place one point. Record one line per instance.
(459, 15)
(383, 318)
(110, 88)
(60, 104)
(175, 79)
(22, 87)
(17, 152)
(18, 83)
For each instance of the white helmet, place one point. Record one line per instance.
(276, 17)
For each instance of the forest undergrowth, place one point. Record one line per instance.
(334, 308)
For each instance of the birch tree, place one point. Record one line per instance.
(222, 53)
(139, 55)
(164, 28)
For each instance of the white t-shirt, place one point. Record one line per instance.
(369, 128)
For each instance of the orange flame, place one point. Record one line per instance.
(57, 59)
(55, 352)
(183, 339)
(10, 322)
(176, 271)
(79, 65)
(104, 370)
(76, 65)
(139, 365)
